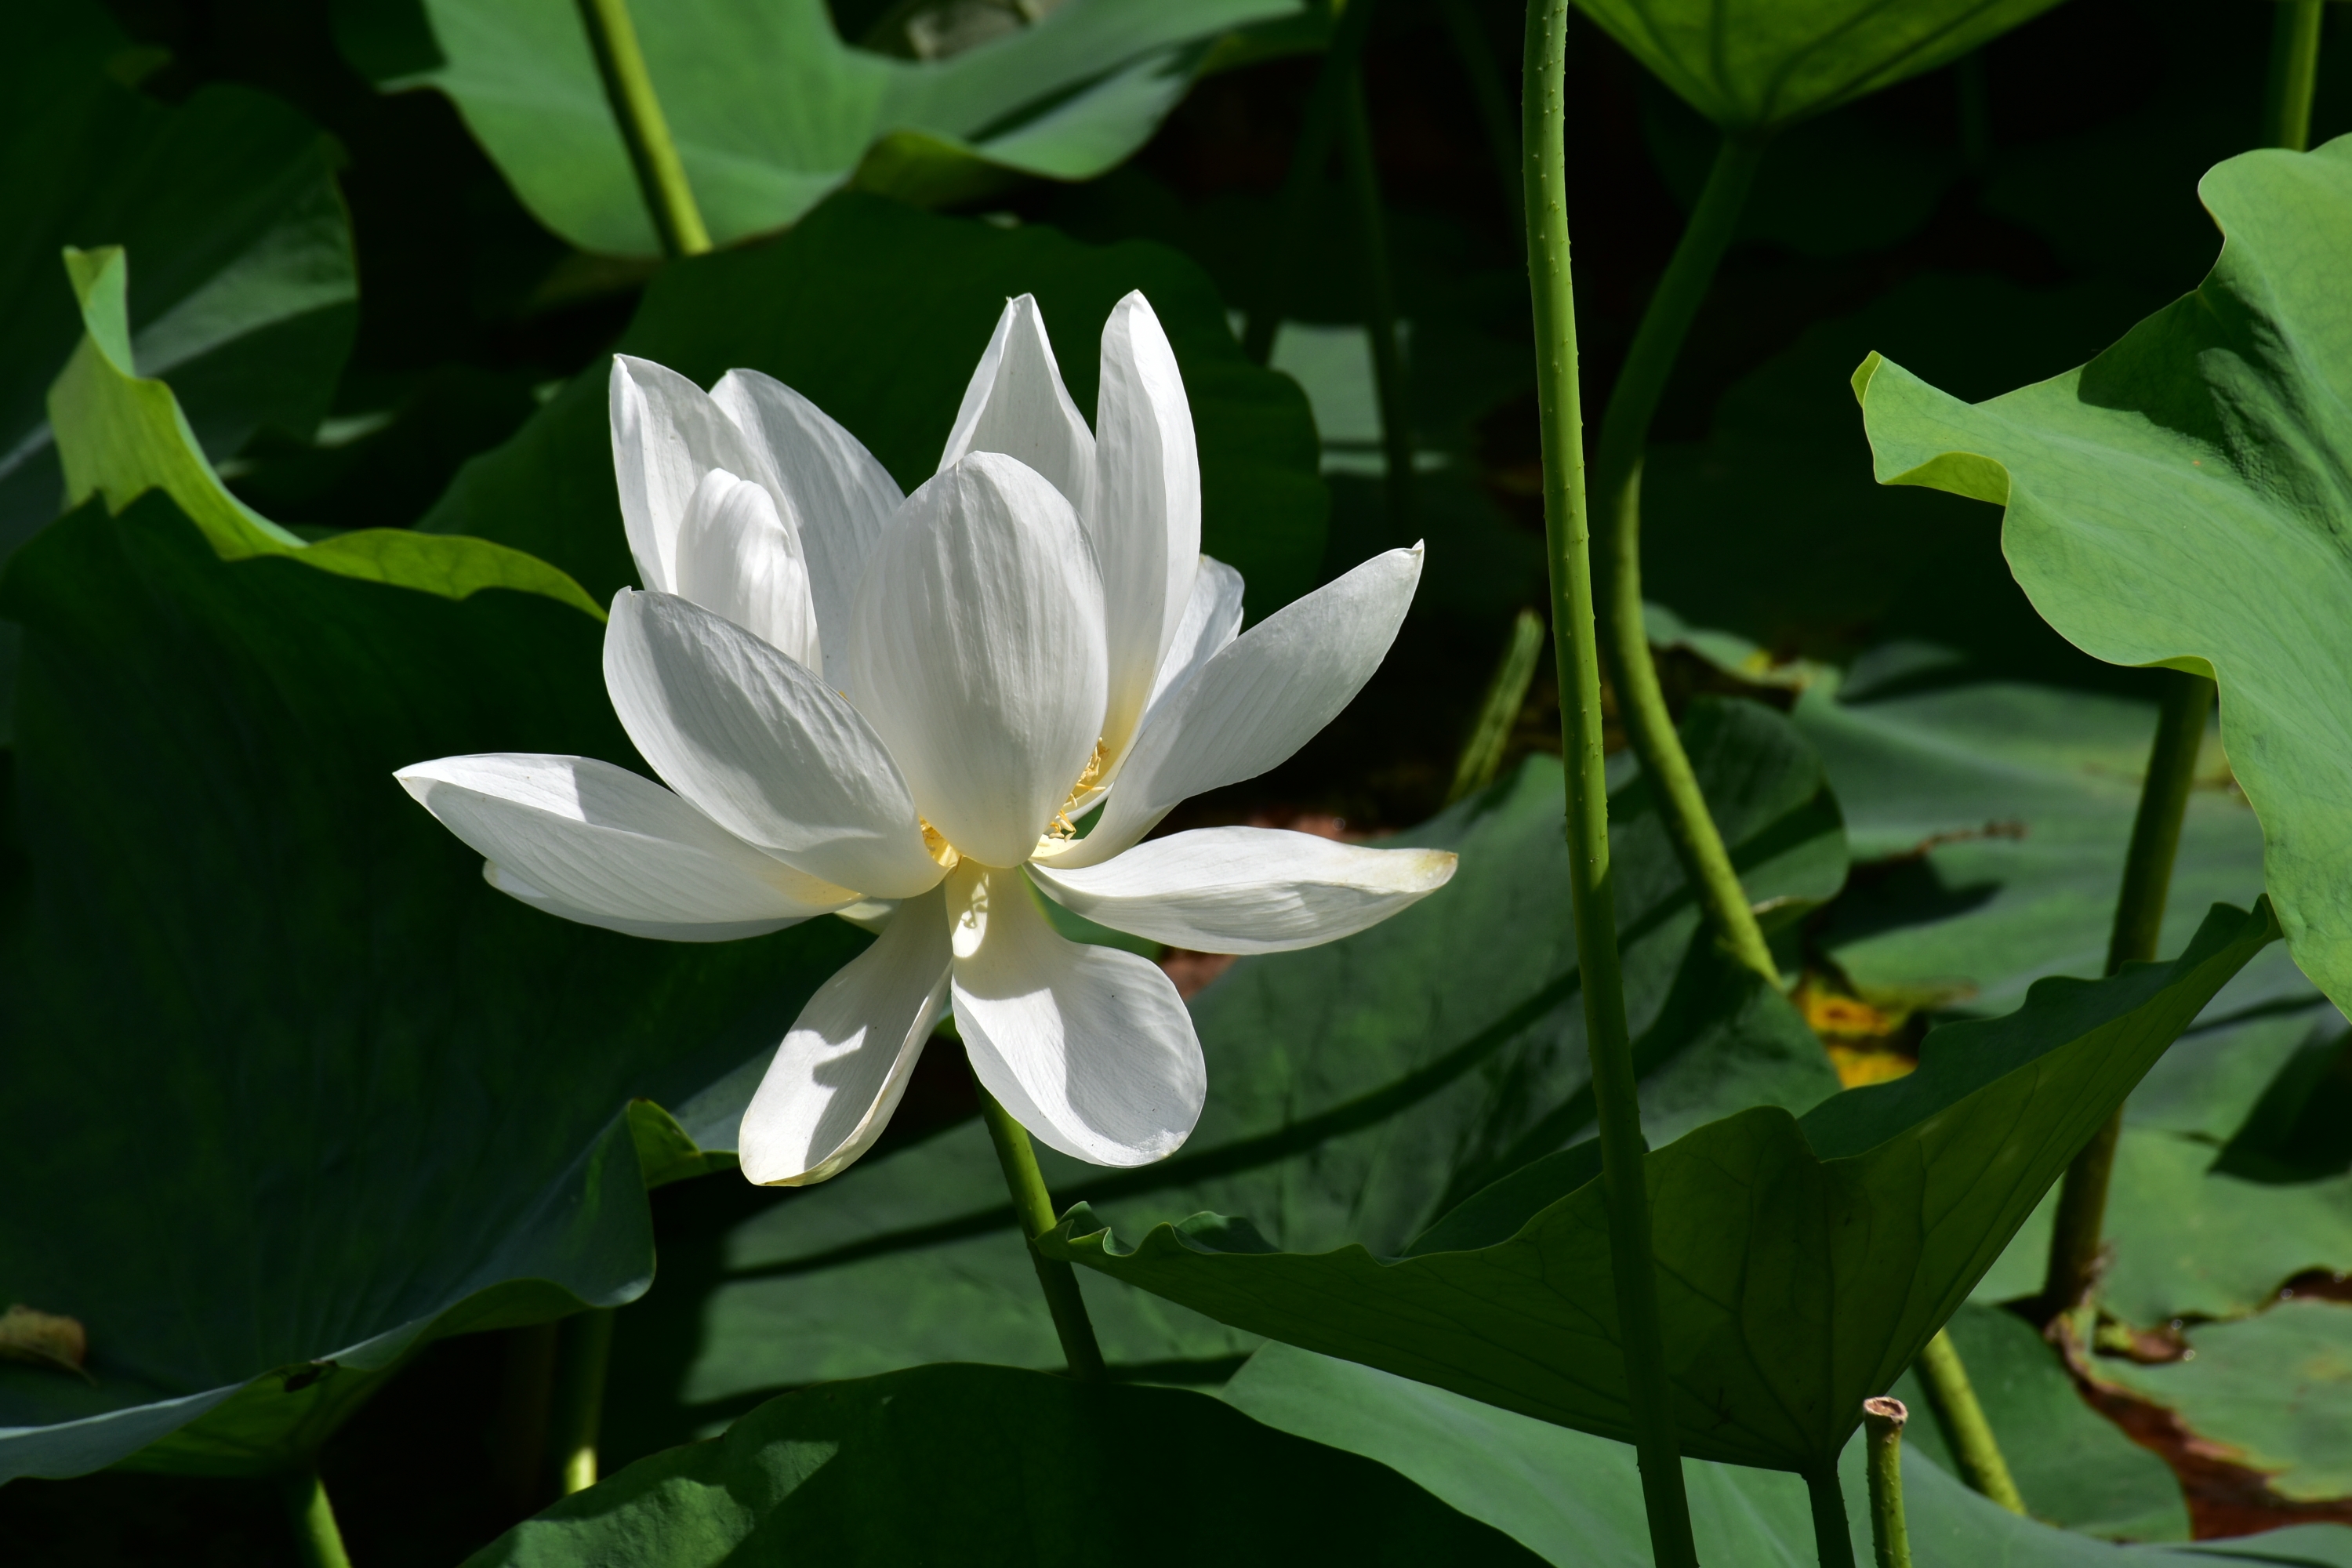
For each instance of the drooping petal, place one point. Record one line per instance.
(598, 844)
(843, 1066)
(667, 434)
(1146, 522)
(1258, 701)
(1090, 1049)
(762, 746)
(1016, 403)
(1213, 618)
(977, 651)
(1247, 890)
(837, 492)
(737, 557)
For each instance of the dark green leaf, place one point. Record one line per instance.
(985, 1465)
(1353, 1091)
(296, 1089)
(769, 111)
(2179, 500)
(877, 314)
(1802, 1265)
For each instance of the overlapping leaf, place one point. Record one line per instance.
(1354, 1090)
(297, 1090)
(986, 1465)
(877, 314)
(1757, 65)
(771, 111)
(2179, 500)
(1801, 1263)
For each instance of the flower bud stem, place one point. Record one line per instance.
(1034, 1208)
(645, 130)
(1649, 1397)
(1882, 1420)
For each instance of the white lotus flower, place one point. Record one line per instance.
(860, 698)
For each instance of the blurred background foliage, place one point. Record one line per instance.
(368, 327)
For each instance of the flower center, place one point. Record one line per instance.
(1061, 827)
(936, 844)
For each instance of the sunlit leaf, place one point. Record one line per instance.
(1803, 1264)
(307, 1092)
(987, 1465)
(770, 111)
(2179, 500)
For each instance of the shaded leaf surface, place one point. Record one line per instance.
(769, 111)
(988, 1465)
(1801, 1264)
(308, 1092)
(1353, 1088)
(2179, 500)
(877, 314)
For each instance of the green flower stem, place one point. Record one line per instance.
(1883, 1420)
(527, 1388)
(1364, 181)
(2075, 1243)
(1617, 463)
(1034, 1206)
(1488, 93)
(1954, 1399)
(1507, 693)
(317, 1538)
(1832, 1538)
(669, 200)
(1567, 548)
(586, 1352)
(1315, 130)
(2294, 75)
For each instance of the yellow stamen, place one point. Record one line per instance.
(937, 844)
(1061, 827)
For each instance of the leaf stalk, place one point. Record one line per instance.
(318, 1539)
(1617, 462)
(1954, 1399)
(2293, 75)
(1568, 541)
(1034, 1207)
(645, 130)
(1882, 1420)
(1364, 181)
(1832, 1538)
(2074, 1237)
(587, 1352)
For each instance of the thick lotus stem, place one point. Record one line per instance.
(2294, 75)
(1833, 1539)
(1882, 1420)
(2075, 1240)
(587, 1351)
(1954, 1399)
(317, 1538)
(1034, 1206)
(1649, 1395)
(645, 130)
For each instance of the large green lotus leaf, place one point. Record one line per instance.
(1354, 1090)
(246, 295)
(1759, 65)
(2192, 1241)
(877, 313)
(1576, 1499)
(288, 1089)
(990, 1465)
(1803, 1264)
(2181, 499)
(771, 111)
(2074, 1468)
(2273, 1392)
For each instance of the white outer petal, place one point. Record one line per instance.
(762, 746)
(1258, 701)
(738, 557)
(1088, 1047)
(844, 1065)
(1247, 890)
(667, 434)
(1213, 618)
(1146, 522)
(831, 484)
(1016, 403)
(977, 652)
(598, 844)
